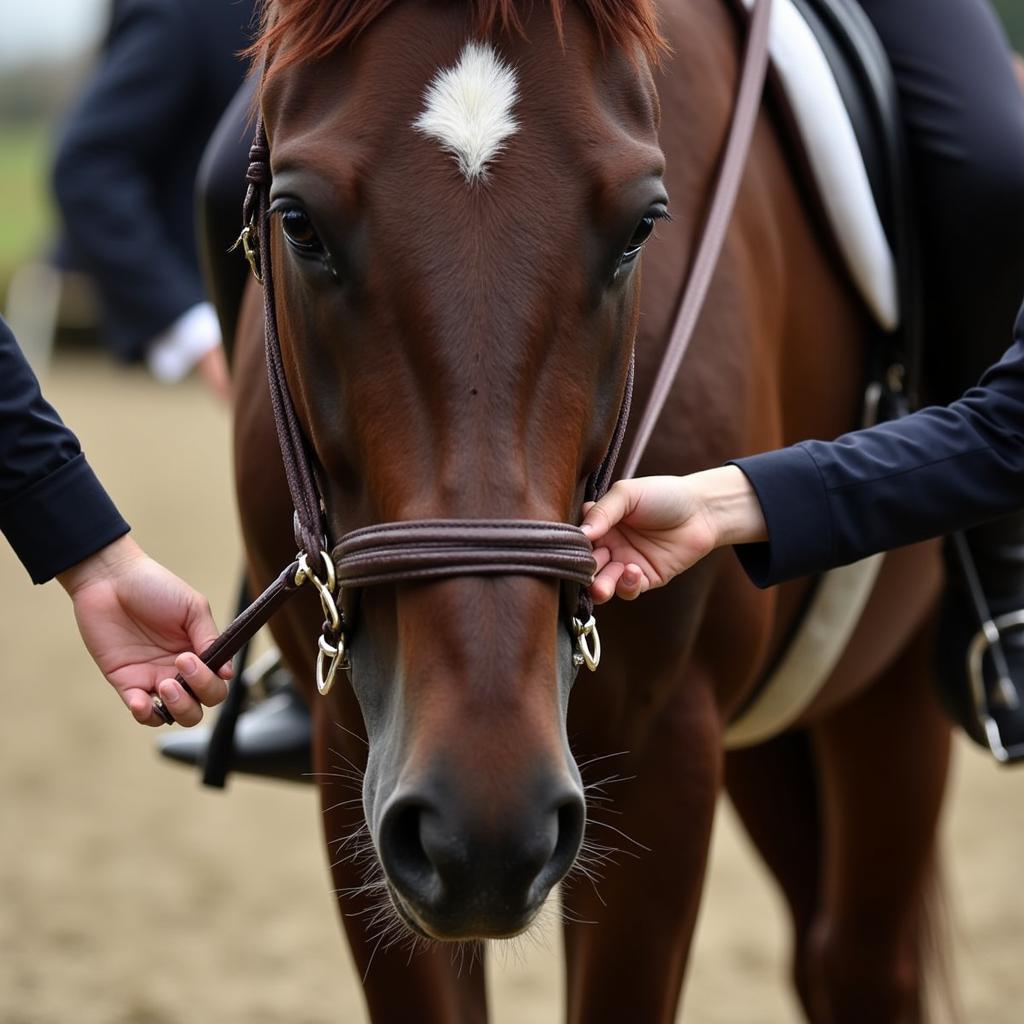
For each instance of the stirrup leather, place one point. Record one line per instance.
(989, 639)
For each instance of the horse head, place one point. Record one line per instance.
(460, 197)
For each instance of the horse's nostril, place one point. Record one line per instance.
(571, 820)
(401, 847)
(571, 815)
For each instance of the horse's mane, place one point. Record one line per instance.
(297, 31)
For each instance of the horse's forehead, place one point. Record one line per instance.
(420, 75)
(468, 108)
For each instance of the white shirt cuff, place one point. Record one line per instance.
(173, 353)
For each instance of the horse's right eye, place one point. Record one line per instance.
(299, 230)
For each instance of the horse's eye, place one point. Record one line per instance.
(641, 233)
(299, 230)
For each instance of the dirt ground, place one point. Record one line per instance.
(130, 895)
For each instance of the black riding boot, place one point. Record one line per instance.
(981, 642)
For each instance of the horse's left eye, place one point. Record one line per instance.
(299, 230)
(641, 233)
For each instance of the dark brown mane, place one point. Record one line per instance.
(296, 31)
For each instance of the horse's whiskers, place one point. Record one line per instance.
(362, 830)
(354, 735)
(601, 757)
(618, 831)
(343, 803)
(361, 848)
(333, 778)
(590, 864)
(352, 891)
(568, 916)
(347, 760)
(609, 780)
(458, 955)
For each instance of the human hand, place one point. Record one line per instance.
(213, 369)
(648, 530)
(192, 342)
(141, 624)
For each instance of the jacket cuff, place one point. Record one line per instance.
(60, 520)
(174, 352)
(796, 510)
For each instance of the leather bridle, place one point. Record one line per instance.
(429, 549)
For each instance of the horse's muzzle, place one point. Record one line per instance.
(453, 878)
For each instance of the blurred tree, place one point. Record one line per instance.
(40, 91)
(1012, 13)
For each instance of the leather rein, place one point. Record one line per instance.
(429, 549)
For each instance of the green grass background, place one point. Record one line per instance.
(26, 215)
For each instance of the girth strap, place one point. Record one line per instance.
(426, 549)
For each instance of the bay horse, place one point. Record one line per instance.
(461, 193)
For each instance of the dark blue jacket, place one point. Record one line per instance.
(52, 508)
(939, 470)
(126, 163)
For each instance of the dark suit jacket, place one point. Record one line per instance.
(939, 470)
(126, 163)
(53, 510)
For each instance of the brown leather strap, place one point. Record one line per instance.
(434, 548)
(310, 534)
(599, 483)
(733, 163)
(244, 628)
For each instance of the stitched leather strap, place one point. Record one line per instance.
(309, 519)
(434, 548)
(243, 629)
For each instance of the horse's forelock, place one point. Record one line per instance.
(296, 31)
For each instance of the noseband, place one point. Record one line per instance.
(431, 549)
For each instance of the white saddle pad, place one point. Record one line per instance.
(835, 159)
(838, 166)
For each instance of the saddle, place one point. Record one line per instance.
(836, 98)
(833, 88)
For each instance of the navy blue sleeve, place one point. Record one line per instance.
(129, 120)
(828, 503)
(53, 510)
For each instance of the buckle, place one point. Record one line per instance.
(245, 240)
(988, 639)
(332, 652)
(588, 644)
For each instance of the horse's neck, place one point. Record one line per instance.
(780, 349)
(778, 354)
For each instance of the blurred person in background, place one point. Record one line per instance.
(140, 623)
(125, 172)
